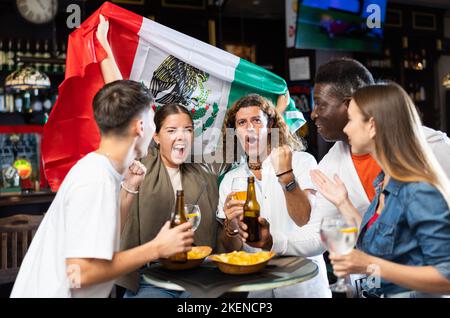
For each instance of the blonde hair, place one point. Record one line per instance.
(400, 143)
(275, 120)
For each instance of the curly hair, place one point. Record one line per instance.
(275, 120)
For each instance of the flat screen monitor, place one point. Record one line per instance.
(347, 25)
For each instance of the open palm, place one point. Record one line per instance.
(333, 190)
(102, 30)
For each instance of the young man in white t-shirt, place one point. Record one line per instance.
(75, 252)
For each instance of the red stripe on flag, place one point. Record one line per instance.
(21, 129)
(71, 131)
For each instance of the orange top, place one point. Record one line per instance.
(367, 169)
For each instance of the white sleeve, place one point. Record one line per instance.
(441, 151)
(224, 190)
(305, 240)
(302, 164)
(91, 227)
(300, 241)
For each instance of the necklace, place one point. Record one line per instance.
(254, 166)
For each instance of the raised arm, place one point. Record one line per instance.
(130, 187)
(297, 202)
(282, 102)
(110, 70)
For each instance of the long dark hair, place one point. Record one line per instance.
(167, 110)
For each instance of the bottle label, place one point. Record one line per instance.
(251, 214)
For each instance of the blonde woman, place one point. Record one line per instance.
(405, 233)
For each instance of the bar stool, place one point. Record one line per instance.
(16, 233)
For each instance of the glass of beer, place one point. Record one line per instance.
(239, 187)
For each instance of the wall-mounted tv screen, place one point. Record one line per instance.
(347, 25)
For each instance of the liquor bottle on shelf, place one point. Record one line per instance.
(19, 52)
(55, 66)
(18, 103)
(46, 55)
(10, 57)
(406, 62)
(424, 58)
(411, 91)
(28, 49)
(422, 93)
(36, 103)
(405, 42)
(2, 57)
(417, 92)
(27, 102)
(63, 56)
(47, 104)
(38, 54)
(438, 44)
(9, 102)
(2, 101)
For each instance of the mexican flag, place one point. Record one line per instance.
(176, 68)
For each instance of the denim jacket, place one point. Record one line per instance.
(413, 228)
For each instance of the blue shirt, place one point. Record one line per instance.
(413, 228)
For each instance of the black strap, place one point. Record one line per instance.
(283, 173)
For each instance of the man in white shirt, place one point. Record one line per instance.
(283, 189)
(75, 252)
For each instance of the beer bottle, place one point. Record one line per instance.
(179, 217)
(251, 212)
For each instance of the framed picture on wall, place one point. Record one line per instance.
(299, 69)
(245, 51)
(138, 2)
(424, 21)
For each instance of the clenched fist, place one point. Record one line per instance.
(135, 175)
(281, 158)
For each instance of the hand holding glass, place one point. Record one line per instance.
(339, 236)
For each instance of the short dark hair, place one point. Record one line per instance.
(346, 75)
(118, 103)
(167, 110)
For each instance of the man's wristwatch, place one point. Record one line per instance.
(290, 186)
